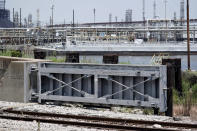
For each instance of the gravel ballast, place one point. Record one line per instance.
(71, 109)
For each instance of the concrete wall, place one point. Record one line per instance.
(91, 59)
(134, 60)
(138, 60)
(12, 83)
(14, 79)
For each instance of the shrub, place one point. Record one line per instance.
(190, 76)
(194, 94)
(16, 54)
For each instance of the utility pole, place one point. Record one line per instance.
(188, 38)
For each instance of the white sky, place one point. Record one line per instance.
(84, 9)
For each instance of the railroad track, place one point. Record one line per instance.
(93, 121)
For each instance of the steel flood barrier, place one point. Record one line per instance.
(122, 85)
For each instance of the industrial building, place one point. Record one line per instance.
(4, 16)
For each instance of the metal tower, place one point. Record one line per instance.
(52, 12)
(30, 21)
(128, 15)
(38, 17)
(4, 14)
(116, 19)
(110, 18)
(175, 16)
(182, 11)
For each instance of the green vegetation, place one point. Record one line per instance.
(194, 93)
(11, 53)
(190, 76)
(16, 54)
(188, 91)
(24, 55)
(55, 59)
(189, 95)
(125, 63)
(5, 53)
(148, 111)
(189, 86)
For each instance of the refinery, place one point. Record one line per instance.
(114, 74)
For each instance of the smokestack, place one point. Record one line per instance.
(143, 10)
(4, 4)
(38, 18)
(73, 18)
(20, 18)
(13, 19)
(154, 8)
(94, 11)
(110, 18)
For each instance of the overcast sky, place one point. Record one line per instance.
(84, 9)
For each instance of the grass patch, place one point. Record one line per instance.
(5, 53)
(125, 63)
(15, 54)
(55, 59)
(148, 111)
(12, 53)
(23, 55)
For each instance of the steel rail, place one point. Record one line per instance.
(120, 120)
(85, 124)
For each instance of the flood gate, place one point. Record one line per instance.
(106, 84)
